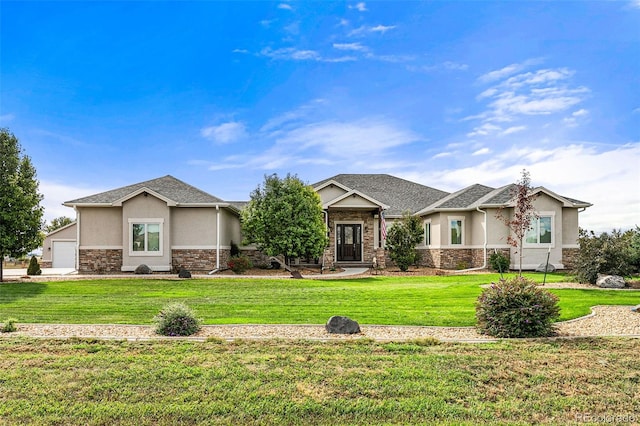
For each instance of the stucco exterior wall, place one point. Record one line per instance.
(329, 193)
(193, 227)
(230, 228)
(100, 227)
(138, 209)
(569, 228)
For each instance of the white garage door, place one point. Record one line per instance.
(64, 254)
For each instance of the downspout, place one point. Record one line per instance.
(326, 226)
(77, 238)
(484, 248)
(217, 241)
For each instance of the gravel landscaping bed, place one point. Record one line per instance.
(604, 321)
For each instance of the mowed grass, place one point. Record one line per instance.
(91, 382)
(435, 300)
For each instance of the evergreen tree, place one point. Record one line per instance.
(402, 238)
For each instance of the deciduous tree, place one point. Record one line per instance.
(523, 214)
(284, 217)
(57, 223)
(20, 210)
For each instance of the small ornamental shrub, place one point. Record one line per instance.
(176, 319)
(34, 267)
(499, 262)
(516, 307)
(9, 326)
(235, 250)
(239, 264)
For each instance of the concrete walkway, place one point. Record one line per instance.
(45, 272)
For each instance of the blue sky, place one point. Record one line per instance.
(218, 94)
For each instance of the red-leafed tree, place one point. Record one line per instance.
(524, 213)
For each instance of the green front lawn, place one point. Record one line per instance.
(436, 300)
(93, 382)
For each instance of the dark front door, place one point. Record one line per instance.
(349, 242)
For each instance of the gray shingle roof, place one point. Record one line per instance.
(464, 198)
(167, 186)
(399, 194)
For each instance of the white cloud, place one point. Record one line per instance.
(285, 6)
(294, 54)
(365, 29)
(382, 28)
(573, 120)
(225, 132)
(455, 66)
(443, 155)
(240, 51)
(506, 71)
(55, 194)
(516, 95)
(481, 151)
(350, 46)
(370, 136)
(447, 65)
(514, 129)
(361, 7)
(578, 171)
(484, 130)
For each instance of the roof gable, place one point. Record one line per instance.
(167, 188)
(398, 194)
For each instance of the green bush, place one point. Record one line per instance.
(499, 262)
(402, 238)
(516, 307)
(176, 319)
(239, 264)
(615, 253)
(34, 267)
(9, 326)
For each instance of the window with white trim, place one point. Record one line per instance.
(427, 233)
(541, 231)
(456, 231)
(146, 237)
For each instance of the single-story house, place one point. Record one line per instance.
(163, 223)
(167, 224)
(461, 229)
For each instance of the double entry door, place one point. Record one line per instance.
(349, 242)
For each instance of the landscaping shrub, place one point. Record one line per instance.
(402, 238)
(516, 307)
(176, 319)
(615, 253)
(499, 262)
(34, 267)
(239, 264)
(235, 250)
(9, 326)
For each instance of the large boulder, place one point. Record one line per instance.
(342, 325)
(142, 270)
(183, 273)
(543, 266)
(610, 281)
